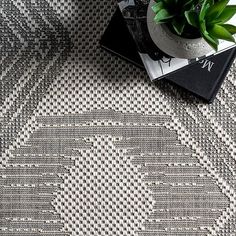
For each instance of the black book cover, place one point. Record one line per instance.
(203, 79)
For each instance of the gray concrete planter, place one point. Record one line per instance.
(173, 44)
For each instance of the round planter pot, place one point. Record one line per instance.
(173, 44)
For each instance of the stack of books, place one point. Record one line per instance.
(127, 36)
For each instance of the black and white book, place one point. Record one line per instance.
(157, 63)
(203, 78)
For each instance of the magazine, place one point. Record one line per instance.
(157, 63)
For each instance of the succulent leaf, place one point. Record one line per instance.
(216, 9)
(178, 25)
(204, 9)
(163, 16)
(230, 28)
(226, 14)
(202, 26)
(211, 2)
(218, 31)
(191, 17)
(157, 7)
(211, 41)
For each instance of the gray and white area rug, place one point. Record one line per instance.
(90, 147)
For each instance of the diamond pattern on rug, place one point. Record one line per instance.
(112, 174)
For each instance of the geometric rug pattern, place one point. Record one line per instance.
(89, 146)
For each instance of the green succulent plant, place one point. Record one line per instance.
(211, 21)
(172, 12)
(208, 18)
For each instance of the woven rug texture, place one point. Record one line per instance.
(89, 146)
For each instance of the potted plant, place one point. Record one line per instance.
(190, 28)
